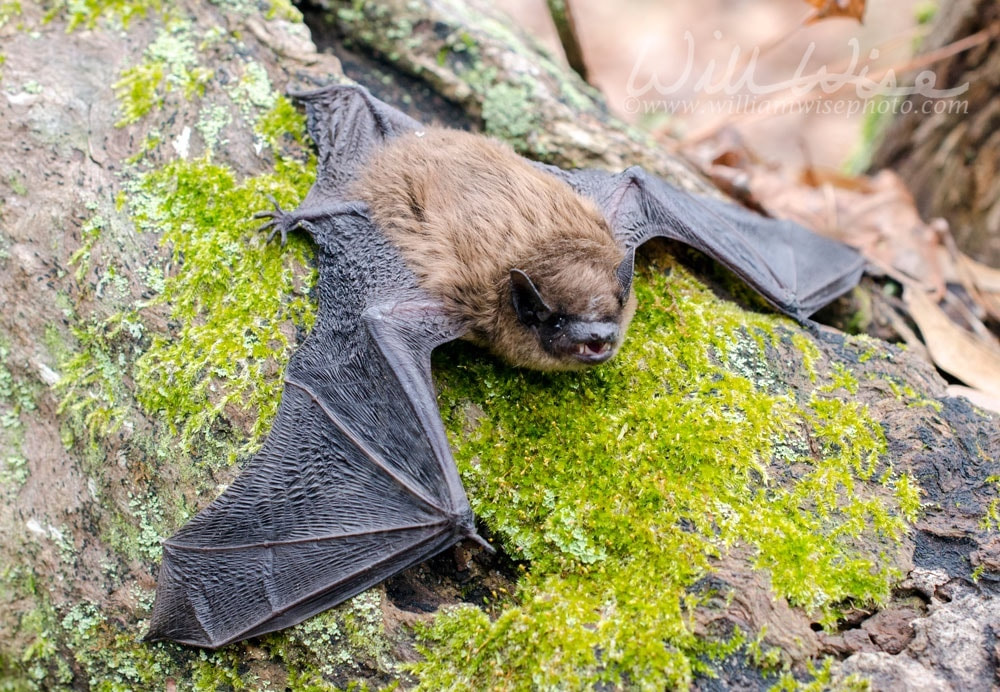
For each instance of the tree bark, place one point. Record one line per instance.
(948, 150)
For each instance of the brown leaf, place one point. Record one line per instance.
(953, 349)
(987, 278)
(837, 8)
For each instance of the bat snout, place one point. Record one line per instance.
(591, 343)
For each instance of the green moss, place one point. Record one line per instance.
(623, 485)
(170, 64)
(89, 233)
(38, 663)
(16, 184)
(280, 123)
(925, 11)
(87, 13)
(905, 392)
(991, 518)
(9, 9)
(231, 300)
(821, 678)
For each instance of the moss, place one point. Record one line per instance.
(39, 659)
(9, 9)
(821, 678)
(17, 185)
(925, 11)
(170, 64)
(991, 518)
(623, 485)
(86, 13)
(230, 301)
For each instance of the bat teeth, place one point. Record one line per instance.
(592, 351)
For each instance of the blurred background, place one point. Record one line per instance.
(648, 37)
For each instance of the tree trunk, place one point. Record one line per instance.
(948, 150)
(145, 328)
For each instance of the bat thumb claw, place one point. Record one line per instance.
(476, 538)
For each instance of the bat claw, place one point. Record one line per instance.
(476, 538)
(279, 221)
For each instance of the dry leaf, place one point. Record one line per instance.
(953, 349)
(837, 8)
(987, 278)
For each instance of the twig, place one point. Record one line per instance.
(562, 16)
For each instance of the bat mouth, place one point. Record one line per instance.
(592, 352)
(579, 343)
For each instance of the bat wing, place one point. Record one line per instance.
(346, 123)
(795, 269)
(355, 481)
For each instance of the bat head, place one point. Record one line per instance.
(576, 314)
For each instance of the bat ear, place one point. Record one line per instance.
(530, 307)
(625, 272)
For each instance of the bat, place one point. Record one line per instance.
(423, 236)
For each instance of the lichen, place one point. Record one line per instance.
(16, 400)
(507, 112)
(623, 485)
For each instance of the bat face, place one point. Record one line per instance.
(577, 319)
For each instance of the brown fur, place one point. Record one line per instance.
(465, 209)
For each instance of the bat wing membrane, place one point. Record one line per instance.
(346, 123)
(355, 481)
(795, 269)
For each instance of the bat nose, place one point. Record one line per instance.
(584, 332)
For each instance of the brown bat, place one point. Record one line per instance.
(529, 266)
(424, 236)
